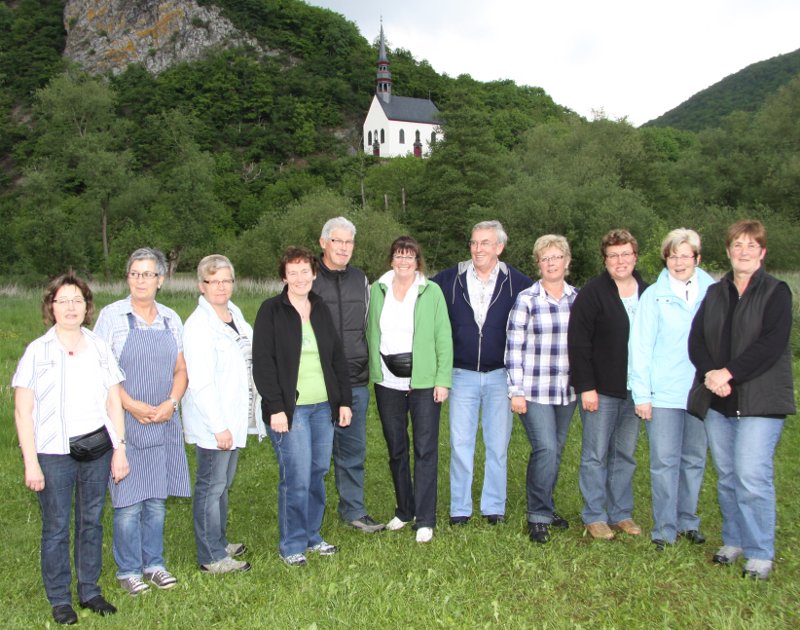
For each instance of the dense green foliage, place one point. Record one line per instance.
(245, 153)
(744, 91)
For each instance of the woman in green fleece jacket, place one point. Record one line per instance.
(410, 363)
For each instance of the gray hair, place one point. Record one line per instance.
(678, 237)
(211, 264)
(337, 223)
(149, 253)
(500, 233)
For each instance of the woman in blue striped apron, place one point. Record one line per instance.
(146, 339)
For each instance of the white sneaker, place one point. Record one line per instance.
(226, 565)
(758, 569)
(424, 534)
(395, 524)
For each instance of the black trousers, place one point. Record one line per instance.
(417, 498)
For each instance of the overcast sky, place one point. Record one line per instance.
(631, 58)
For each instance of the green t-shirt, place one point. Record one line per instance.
(310, 380)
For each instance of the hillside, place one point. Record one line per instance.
(746, 90)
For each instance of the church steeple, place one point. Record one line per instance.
(383, 79)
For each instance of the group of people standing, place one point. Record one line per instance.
(702, 363)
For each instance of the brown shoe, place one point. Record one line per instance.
(628, 526)
(600, 529)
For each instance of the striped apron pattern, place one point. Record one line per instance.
(157, 459)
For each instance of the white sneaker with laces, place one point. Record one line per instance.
(396, 524)
(424, 534)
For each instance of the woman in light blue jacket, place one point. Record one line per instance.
(219, 408)
(660, 378)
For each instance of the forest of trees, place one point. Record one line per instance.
(242, 156)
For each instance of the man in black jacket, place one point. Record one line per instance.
(346, 292)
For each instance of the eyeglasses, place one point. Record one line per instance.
(555, 258)
(750, 247)
(682, 258)
(402, 258)
(147, 275)
(76, 301)
(227, 283)
(481, 244)
(621, 256)
(339, 241)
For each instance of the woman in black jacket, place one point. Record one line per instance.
(739, 344)
(300, 371)
(599, 327)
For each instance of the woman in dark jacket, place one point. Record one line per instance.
(300, 371)
(599, 327)
(739, 344)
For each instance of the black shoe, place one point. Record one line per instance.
(539, 532)
(459, 520)
(99, 605)
(693, 536)
(65, 615)
(660, 544)
(494, 519)
(559, 522)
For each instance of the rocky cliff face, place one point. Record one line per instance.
(108, 35)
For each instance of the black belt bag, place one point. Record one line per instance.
(90, 446)
(398, 364)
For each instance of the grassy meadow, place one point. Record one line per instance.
(476, 576)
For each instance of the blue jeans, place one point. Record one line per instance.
(677, 464)
(63, 477)
(304, 457)
(608, 449)
(483, 394)
(547, 427)
(215, 472)
(349, 453)
(139, 538)
(742, 450)
(417, 499)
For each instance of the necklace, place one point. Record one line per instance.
(70, 349)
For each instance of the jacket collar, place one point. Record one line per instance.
(312, 297)
(325, 270)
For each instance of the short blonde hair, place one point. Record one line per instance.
(212, 264)
(678, 237)
(551, 240)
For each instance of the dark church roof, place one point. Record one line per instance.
(421, 110)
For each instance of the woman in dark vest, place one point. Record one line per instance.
(743, 388)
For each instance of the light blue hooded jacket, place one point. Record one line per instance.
(660, 370)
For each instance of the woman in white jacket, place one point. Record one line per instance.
(219, 407)
(660, 378)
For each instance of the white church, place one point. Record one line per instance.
(398, 125)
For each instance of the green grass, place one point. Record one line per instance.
(469, 577)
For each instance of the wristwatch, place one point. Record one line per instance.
(174, 404)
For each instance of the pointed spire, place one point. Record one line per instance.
(382, 49)
(383, 79)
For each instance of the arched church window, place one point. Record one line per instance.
(369, 138)
(402, 136)
(383, 138)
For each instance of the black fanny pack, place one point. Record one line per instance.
(90, 446)
(398, 364)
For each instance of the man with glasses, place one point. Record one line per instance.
(345, 290)
(480, 293)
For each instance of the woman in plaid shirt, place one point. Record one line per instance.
(538, 377)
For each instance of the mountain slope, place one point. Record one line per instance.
(745, 90)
